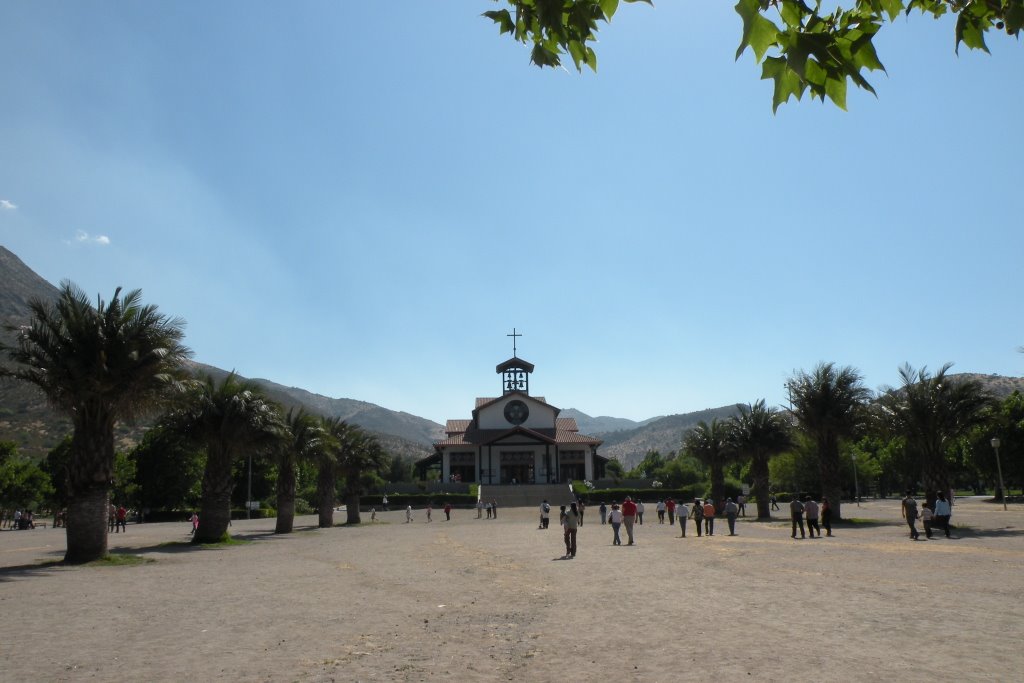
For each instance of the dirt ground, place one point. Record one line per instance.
(492, 600)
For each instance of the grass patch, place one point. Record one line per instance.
(225, 541)
(861, 521)
(120, 560)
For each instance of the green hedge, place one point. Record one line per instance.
(419, 500)
(185, 515)
(685, 493)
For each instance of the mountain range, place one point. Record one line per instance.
(26, 419)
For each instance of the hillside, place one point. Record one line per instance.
(26, 419)
(663, 434)
(603, 424)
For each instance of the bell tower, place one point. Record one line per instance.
(515, 372)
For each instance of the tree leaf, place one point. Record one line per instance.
(758, 32)
(970, 32)
(786, 81)
(609, 7)
(835, 88)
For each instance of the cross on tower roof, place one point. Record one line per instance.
(513, 335)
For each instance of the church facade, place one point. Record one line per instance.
(515, 438)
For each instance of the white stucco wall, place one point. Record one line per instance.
(542, 416)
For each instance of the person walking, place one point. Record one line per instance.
(683, 512)
(943, 511)
(774, 501)
(447, 512)
(603, 512)
(927, 517)
(826, 516)
(479, 508)
(640, 512)
(122, 519)
(811, 513)
(741, 502)
(545, 514)
(698, 515)
(909, 509)
(615, 519)
(494, 508)
(670, 507)
(629, 514)
(408, 513)
(709, 517)
(195, 523)
(661, 511)
(572, 525)
(731, 510)
(796, 513)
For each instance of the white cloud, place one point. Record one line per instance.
(82, 236)
(7, 205)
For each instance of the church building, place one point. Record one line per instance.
(515, 439)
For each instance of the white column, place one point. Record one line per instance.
(446, 466)
(588, 464)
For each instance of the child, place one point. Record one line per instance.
(408, 513)
(926, 520)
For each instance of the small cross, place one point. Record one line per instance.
(513, 335)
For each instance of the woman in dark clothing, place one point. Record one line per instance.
(826, 516)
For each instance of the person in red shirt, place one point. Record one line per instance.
(122, 518)
(447, 512)
(709, 518)
(629, 517)
(670, 505)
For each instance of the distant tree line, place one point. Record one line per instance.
(217, 445)
(932, 433)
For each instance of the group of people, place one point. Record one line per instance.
(117, 518)
(491, 508)
(19, 520)
(935, 515)
(810, 510)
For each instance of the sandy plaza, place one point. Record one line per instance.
(489, 600)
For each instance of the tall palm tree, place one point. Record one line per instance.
(231, 419)
(931, 412)
(99, 365)
(759, 433)
(361, 455)
(709, 443)
(338, 435)
(304, 438)
(829, 405)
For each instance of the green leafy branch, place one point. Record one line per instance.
(801, 48)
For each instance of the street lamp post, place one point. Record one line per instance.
(248, 496)
(999, 468)
(856, 486)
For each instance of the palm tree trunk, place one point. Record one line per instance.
(285, 497)
(935, 476)
(87, 526)
(830, 473)
(352, 508)
(759, 471)
(717, 483)
(285, 516)
(325, 496)
(215, 507)
(89, 475)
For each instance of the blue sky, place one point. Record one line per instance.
(363, 198)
